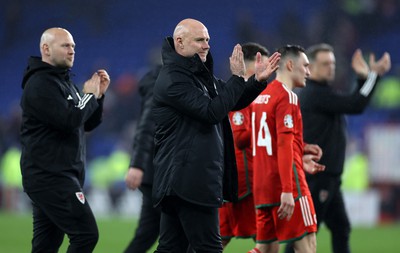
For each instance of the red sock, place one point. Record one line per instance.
(255, 250)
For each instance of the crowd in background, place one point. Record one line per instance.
(128, 34)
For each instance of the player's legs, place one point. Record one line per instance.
(266, 238)
(47, 237)
(71, 213)
(338, 223)
(307, 244)
(149, 225)
(272, 247)
(244, 218)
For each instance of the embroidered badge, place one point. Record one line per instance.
(238, 118)
(288, 121)
(80, 197)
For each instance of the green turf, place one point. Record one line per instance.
(115, 233)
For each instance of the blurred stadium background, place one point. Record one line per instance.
(124, 37)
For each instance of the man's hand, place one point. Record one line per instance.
(359, 65)
(264, 69)
(133, 178)
(310, 164)
(382, 66)
(104, 81)
(237, 61)
(313, 149)
(287, 206)
(92, 85)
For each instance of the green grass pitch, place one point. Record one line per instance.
(116, 232)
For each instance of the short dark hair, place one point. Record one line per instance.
(313, 50)
(250, 50)
(290, 50)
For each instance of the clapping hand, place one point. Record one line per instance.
(104, 81)
(264, 68)
(237, 61)
(360, 66)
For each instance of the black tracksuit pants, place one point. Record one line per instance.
(187, 227)
(59, 212)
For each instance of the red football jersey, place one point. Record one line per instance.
(241, 128)
(276, 115)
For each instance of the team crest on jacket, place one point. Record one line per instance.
(80, 197)
(238, 118)
(288, 121)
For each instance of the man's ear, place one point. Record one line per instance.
(45, 49)
(289, 65)
(179, 42)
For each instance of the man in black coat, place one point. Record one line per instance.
(141, 172)
(55, 116)
(195, 168)
(323, 111)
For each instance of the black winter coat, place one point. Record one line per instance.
(323, 110)
(55, 116)
(143, 143)
(194, 152)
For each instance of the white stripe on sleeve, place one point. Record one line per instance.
(369, 84)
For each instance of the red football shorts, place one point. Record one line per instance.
(303, 221)
(238, 219)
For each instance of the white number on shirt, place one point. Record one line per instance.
(263, 135)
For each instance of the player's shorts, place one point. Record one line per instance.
(238, 219)
(303, 221)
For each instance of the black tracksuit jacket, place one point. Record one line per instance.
(323, 110)
(55, 116)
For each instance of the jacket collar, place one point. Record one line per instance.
(193, 64)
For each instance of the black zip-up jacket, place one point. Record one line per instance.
(143, 143)
(54, 117)
(323, 111)
(194, 152)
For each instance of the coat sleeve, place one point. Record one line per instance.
(330, 101)
(96, 117)
(143, 143)
(45, 101)
(253, 89)
(185, 96)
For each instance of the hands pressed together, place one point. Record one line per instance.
(97, 84)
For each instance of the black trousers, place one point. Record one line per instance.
(148, 228)
(330, 209)
(60, 212)
(184, 224)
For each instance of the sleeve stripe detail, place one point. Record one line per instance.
(368, 84)
(85, 99)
